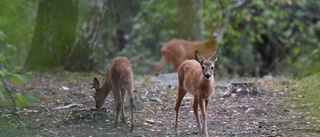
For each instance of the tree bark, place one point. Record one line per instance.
(81, 55)
(54, 34)
(55, 43)
(189, 16)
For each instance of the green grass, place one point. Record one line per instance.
(13, 126)
(308, 96)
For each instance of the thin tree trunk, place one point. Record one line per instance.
(81, 56)
(190, 21)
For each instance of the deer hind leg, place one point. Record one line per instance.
(181, 93)
(131, 99)
(123, 117)
(196, 113)
(203, 107)
(164, 60)
(116, 94)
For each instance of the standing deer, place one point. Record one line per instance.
(119, 80)
(179, 50)
(197, 78)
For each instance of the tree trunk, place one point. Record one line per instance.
(81, 56)
(54, 34)
(189, 14)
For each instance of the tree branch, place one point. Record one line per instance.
(240, 4)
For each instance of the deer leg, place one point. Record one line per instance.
(195, 110)
(206, 105)
(164, 60)
(116, 94)
(181, 93)
(203, 107)
(123, 117)
(131, 96)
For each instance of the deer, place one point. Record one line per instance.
(179, 50)
(196, 77)
(119, 80)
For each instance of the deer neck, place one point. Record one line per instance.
(211, 42)
(206, 87)
(106, 88)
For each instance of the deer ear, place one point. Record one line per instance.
(214, 56)
(198, 56)
(96, 83)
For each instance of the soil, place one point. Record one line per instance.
(66, 108)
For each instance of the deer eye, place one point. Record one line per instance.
(212, 68)
(202, 67)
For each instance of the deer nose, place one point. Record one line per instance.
(207, 76)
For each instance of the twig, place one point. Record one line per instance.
(240, 4)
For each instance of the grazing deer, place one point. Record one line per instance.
(197, 78)
(119, 79)
(178, 50)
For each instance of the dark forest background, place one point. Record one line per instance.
(277, 37)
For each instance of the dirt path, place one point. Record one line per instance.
(266, 113)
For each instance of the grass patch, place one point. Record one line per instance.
(90, 114)
(13, 126)
(308, 96)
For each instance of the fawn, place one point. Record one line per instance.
(179, 50)
(197, 78)
(119, 80)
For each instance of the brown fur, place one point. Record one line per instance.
(119, 80)
(178, 50)
(197, 78)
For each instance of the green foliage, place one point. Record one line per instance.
(16, 26)
(154, 25)
(287, 31)
(252, 28)
(13, 126)
(2, 92)
(151, 30)
(20, 99)
(17, 19)
(8, 74)
(285, 27)
(25, 99)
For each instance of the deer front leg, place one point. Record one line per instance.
(203, 107)
(195, 110)
(181, 93)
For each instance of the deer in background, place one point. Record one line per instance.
(179, 50)
(119, 80)
(197, 78)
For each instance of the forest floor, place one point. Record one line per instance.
(66, 109)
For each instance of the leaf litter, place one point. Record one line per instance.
(240, 107)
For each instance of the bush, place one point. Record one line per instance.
(9, 77)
